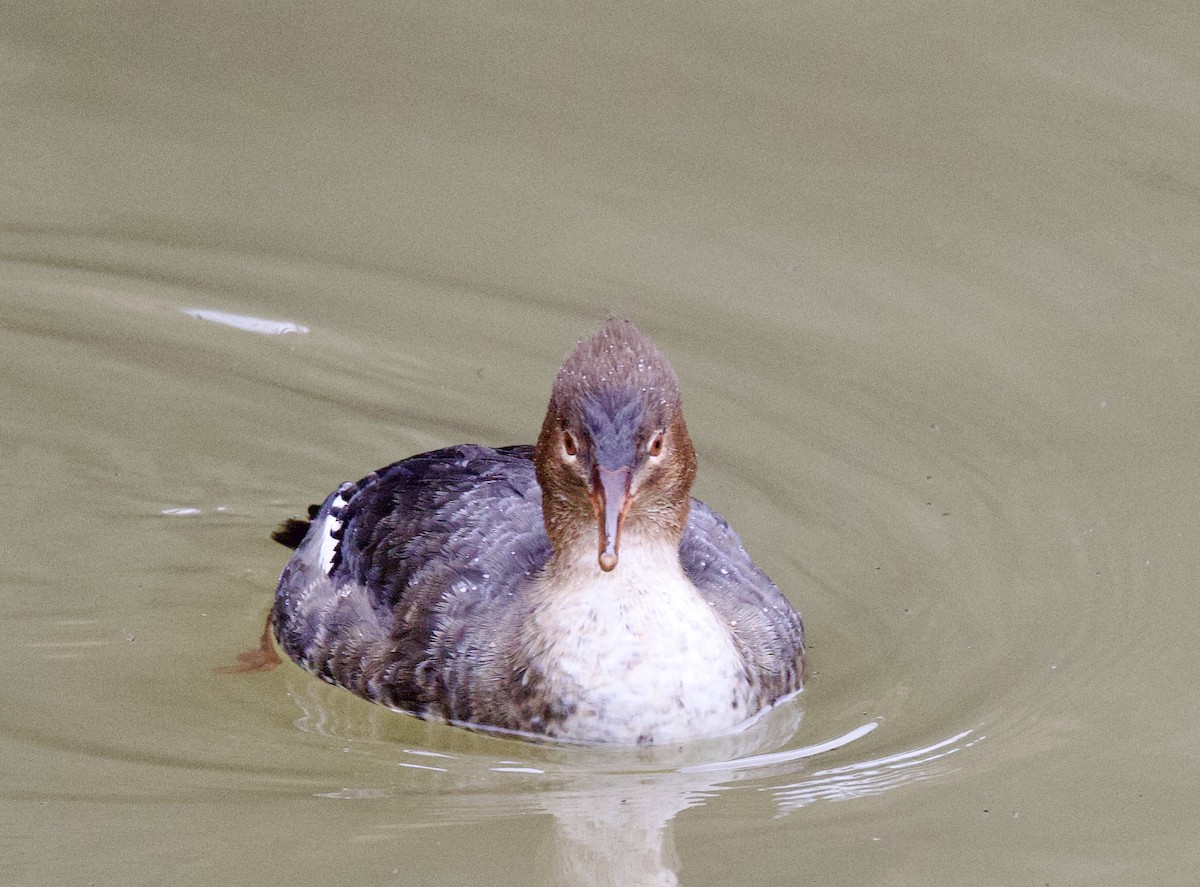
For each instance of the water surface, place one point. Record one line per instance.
(928, 275)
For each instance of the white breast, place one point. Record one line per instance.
(637, 654)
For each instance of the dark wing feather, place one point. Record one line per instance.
(441, 542)
(446, 515)
(766, 626)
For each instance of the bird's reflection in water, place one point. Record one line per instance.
(611, 806)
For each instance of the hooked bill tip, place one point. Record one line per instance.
(608, 560)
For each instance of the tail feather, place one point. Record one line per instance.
(293, 530)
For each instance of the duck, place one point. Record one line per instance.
(568, 590)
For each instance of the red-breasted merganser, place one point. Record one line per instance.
(572, 589)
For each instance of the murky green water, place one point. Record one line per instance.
(928, 274)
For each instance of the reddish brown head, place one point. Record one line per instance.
(614, 457)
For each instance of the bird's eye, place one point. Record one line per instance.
(570, 446)
(655, 446)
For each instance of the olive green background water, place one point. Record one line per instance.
(929, 274)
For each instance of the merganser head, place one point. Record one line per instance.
(614, 454)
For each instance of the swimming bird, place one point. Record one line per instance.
(572, 589)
